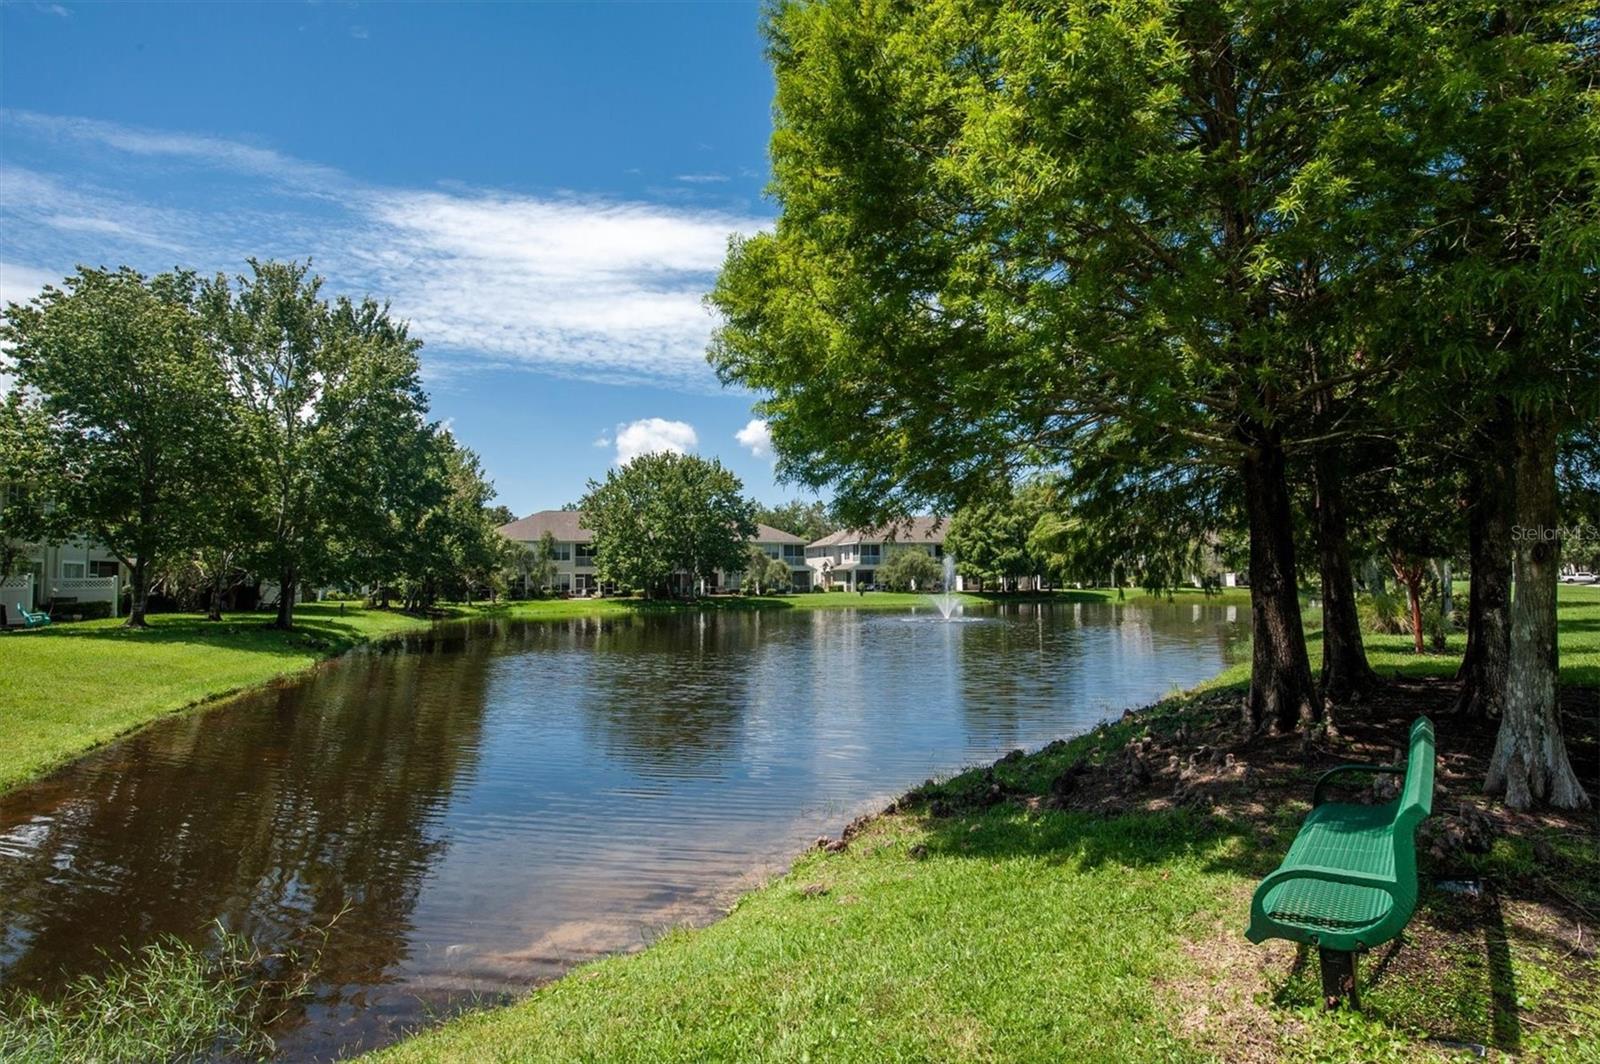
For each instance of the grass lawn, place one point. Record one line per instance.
(71, 687)
(988, 919)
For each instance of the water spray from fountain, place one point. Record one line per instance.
(947, 601)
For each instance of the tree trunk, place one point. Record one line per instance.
(214, 609)
(1408, 573)
(1345, 671)
(1530, 765)
(1447, 606)
(139, 600)
(287, 585)
(1282, 694)
(1484, 668)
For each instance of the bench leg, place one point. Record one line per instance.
(1338, 978)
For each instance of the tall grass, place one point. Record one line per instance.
(168, 1001)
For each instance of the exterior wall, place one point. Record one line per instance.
(575, 573)
(849, 565)
(58, 567)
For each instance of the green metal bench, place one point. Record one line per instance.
(1349, 881)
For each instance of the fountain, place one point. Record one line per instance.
(947, 601)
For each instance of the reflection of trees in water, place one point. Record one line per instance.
(668, 695)
(274, 815)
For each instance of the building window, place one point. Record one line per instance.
(562, 553)
(794, 553)
(584, 554)
(870, 553)
(103, 568)
(938, 550)
(71, 570)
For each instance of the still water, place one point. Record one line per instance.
(488, 804)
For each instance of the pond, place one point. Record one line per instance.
(485, 805)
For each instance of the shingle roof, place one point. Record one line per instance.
(562, 524)
(566, 527)
(910, 530)
(768, 534)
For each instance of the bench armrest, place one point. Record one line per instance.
(1260, 923)
(1328, 875)
(1340, 770)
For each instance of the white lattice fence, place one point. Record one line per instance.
(14, 590)
(88, 589)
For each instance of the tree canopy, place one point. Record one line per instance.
(664, 514)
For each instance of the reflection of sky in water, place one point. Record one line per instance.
(491, 809)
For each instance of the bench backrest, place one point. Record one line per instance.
(1416, 798)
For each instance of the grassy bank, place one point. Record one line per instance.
(71, 687)
(1004, 914)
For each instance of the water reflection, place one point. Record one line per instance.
(497, 801)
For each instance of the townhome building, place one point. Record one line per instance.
(850, 558)
(60, 577)
(575, 554)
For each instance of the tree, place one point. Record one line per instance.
(1168, 225)
(989, 539)
(543, 568)
(1513, 262)
(911, 569)
(136, 403)
(26, 479)
(808, 520)
(663, 514)
(764, 572)
(332, 410)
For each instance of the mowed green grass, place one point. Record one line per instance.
(1000, 936)
(70, 687)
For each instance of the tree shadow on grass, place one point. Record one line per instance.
(314, 632)
(1135, 840)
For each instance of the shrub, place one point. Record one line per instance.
(168, 1001)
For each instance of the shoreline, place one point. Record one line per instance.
(1168, 804)
(313, 644)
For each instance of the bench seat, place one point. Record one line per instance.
(1350, 838)
(1349, 880)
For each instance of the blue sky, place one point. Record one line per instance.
(545, 191)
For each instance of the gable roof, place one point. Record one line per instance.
(562, 524)
(910, 530)
(567, 527)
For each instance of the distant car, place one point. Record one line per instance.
(1581, 576)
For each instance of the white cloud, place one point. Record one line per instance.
(702, 179)
(581, 287)
(211, 151)
(19, 283)
(756, 435)
(652, 435)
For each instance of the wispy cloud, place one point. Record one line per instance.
(58, 10)
(653, 435)
(572, 286)
(757, 436)
(209, 151)
(702, 179)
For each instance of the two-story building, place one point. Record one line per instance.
(850, 558)
(574, 551)
(60, 575)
